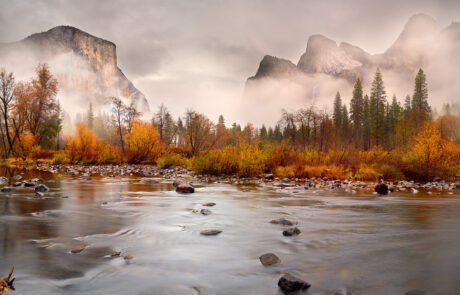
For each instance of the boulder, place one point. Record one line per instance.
(185, 188)
(41, 188)
(289, 284)
(269, 259)
(210, 232)
(177, 182)
(381, 188)
(291, 232)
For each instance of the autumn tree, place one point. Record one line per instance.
(142, 143)
(165, 125)
(118, 118)
(7, 85)
(199, 132)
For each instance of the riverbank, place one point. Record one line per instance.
(315, 184)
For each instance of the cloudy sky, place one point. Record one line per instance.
(198, 53)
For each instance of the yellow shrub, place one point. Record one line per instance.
(366, 173)
(171, 160)
(61, 157)
(285, 172)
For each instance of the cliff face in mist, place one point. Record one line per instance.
(421, 44)
(85, 66)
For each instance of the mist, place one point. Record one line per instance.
(199, 54)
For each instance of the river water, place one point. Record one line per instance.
(142, 238)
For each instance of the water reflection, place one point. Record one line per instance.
(135, 235)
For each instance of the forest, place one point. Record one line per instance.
(373, 137)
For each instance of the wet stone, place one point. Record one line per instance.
(41, 188)
(77, 250)
(283, 221)
(289, 284)
(205, 211)
(6, 189)
(210, 232)
(381, 189)
(291, 232)
(269, 259)
(210, 204)
(185, 188)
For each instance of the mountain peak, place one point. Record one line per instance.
(323, 55)
(274, 66)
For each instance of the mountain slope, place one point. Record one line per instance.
(85, 66)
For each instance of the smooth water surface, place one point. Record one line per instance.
(142, 238)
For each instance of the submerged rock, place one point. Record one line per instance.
(210, 204)
(283, 221)
(6, 189)
(291, 232)
(289, 284)
(210, 232)
(269, 259)
(77, 250)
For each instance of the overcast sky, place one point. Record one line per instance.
(198, 54)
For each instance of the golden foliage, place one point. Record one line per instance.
(143, 143)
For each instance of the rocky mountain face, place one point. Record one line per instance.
(420, 45)
(85, 66)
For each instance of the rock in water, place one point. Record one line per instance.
(291, 232)
(418, 292)
(210, 232)
(381, 188)
(289, 284)
(6, 189)
(41, 188)
(205, 211)
(3, 180)
(185, 188)
(269, 259)
(283, 221)
(210, 204)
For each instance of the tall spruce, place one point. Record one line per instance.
(421, 110)
(366, 124)
(356, 113)
(377, 104)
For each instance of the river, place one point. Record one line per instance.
(134, 237)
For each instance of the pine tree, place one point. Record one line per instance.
(356, 113)
(337, 115)
(263, 134)
(346, 128)
(421, 110)
(366, 124)
(90, 116)
(270, 135)
(377, 109)
(221, 120)
(407, 107)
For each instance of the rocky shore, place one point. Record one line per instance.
(437, 186)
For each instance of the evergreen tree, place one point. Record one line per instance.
(407, 107)
(377, 104)
(90, 116)
(337, 115)
(270, 135)
(366, 124)
(263, 134)
(356, 113)
(277, 135)
(346, 128)
(421, 110)
(221, 120)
